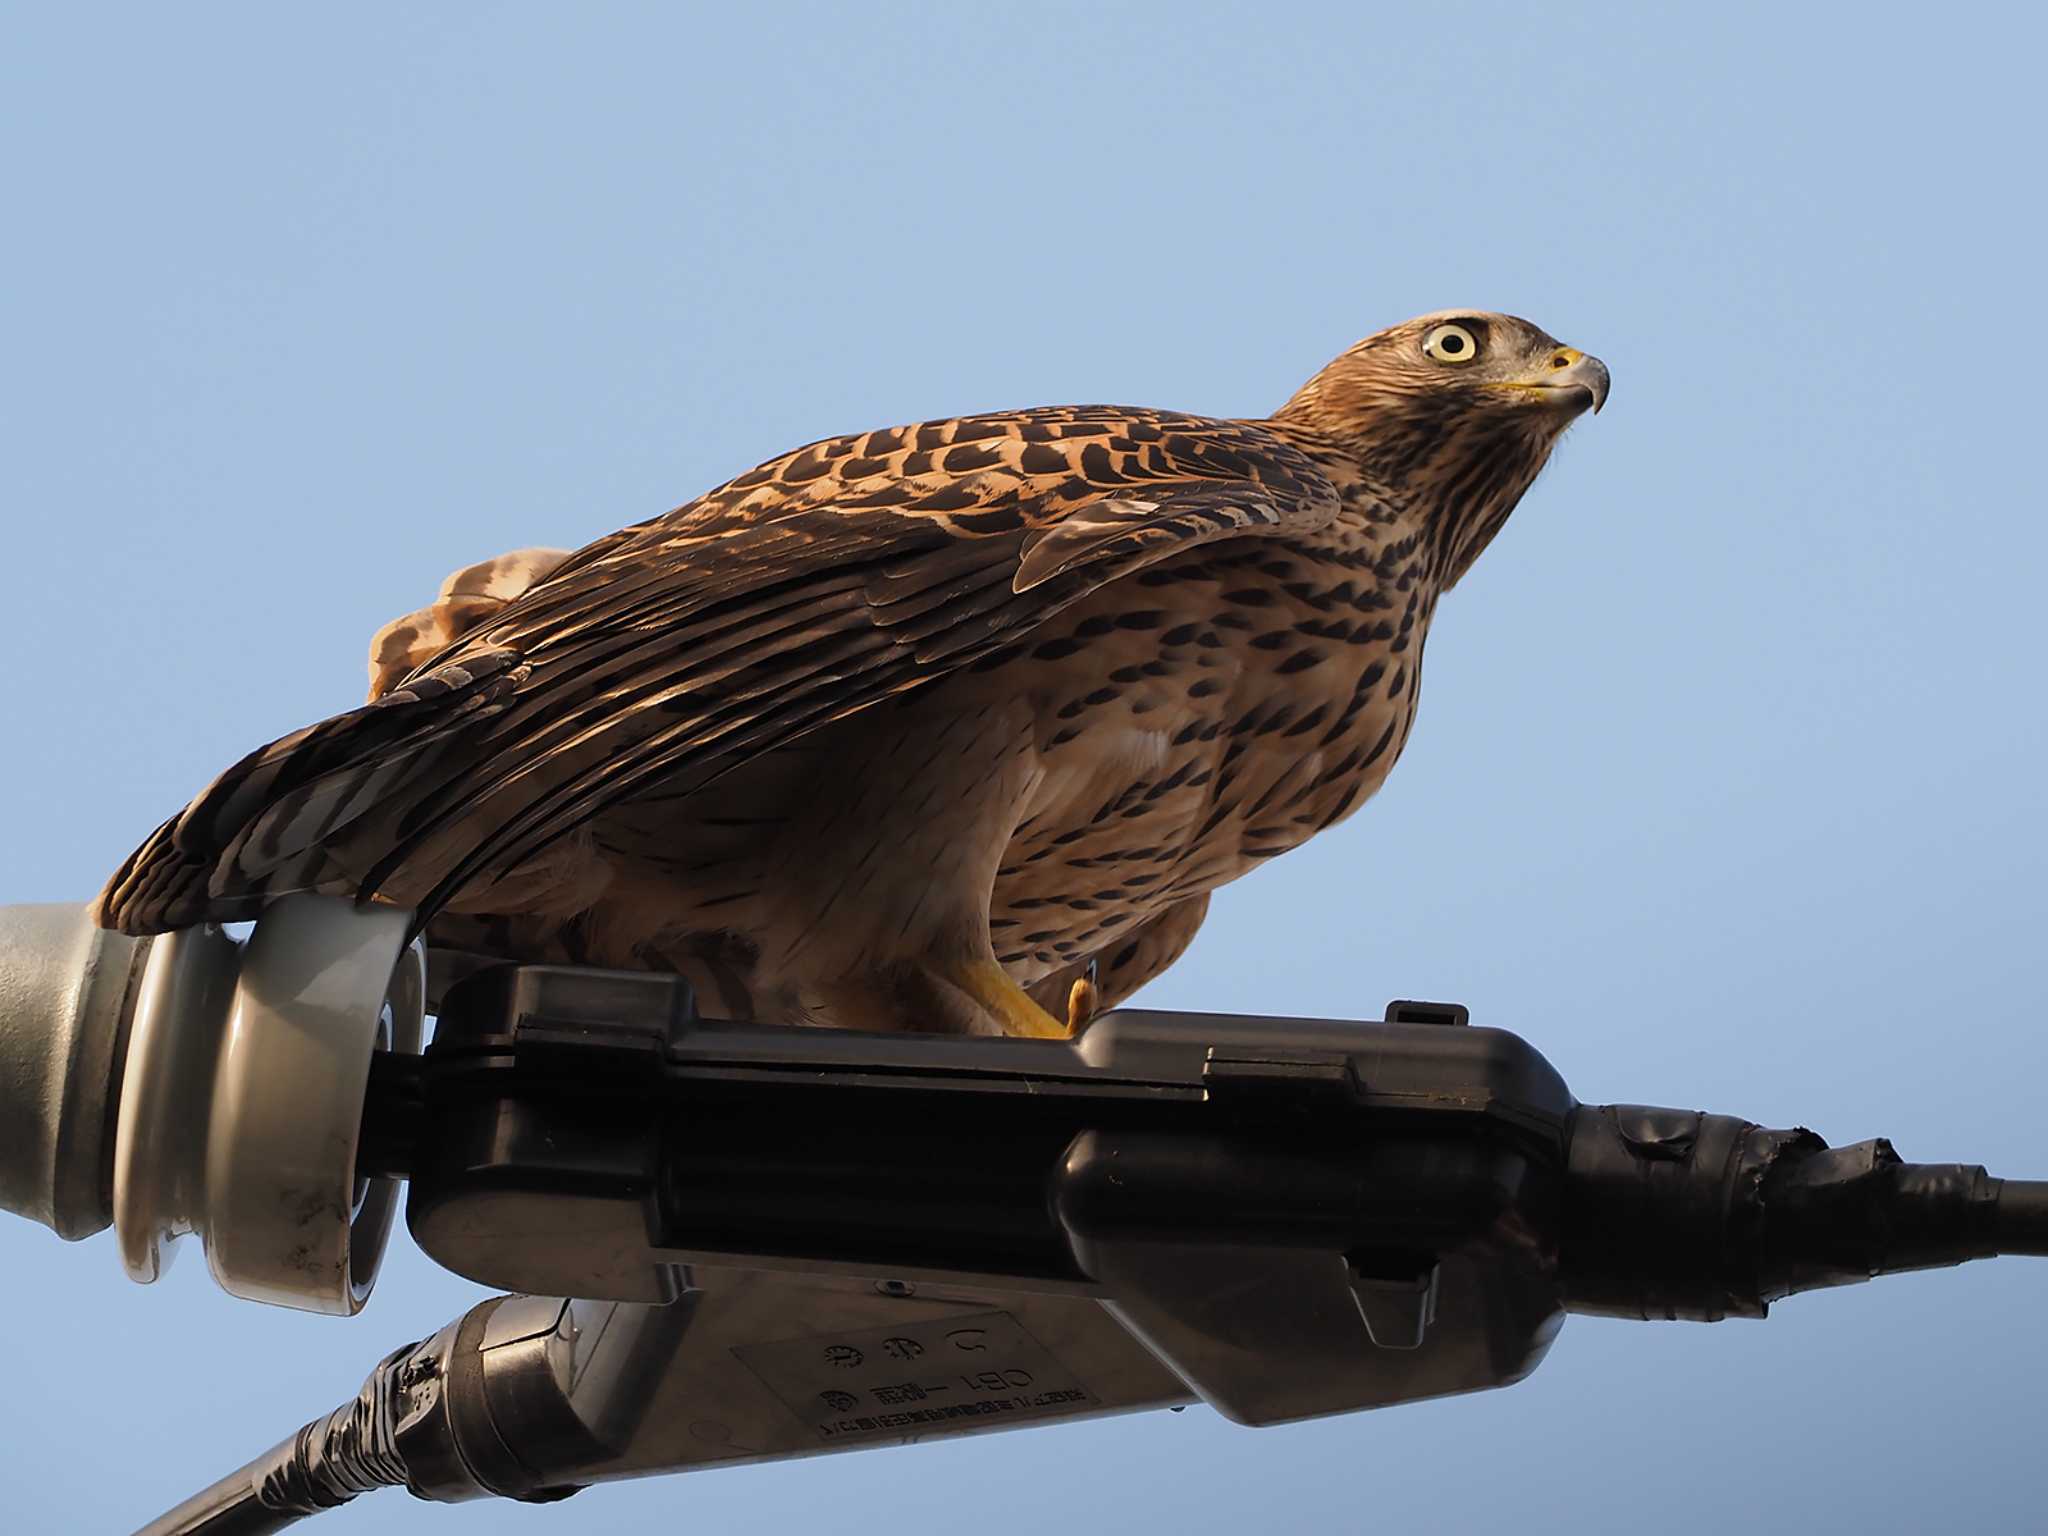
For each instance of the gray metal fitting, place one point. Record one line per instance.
(190, 1084)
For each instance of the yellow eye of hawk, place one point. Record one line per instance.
(1450, 344)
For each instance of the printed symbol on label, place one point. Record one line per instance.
(857, 1387)
(996, 1381)
(902, 1349)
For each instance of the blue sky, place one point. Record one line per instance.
(1727, 789)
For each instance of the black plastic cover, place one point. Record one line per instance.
(1298, 1216)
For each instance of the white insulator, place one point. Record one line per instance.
(242, 1100)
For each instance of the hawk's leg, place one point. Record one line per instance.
(966, 997)
(1011, 1006)
(1134, 959)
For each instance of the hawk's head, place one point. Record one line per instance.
(1453, 414)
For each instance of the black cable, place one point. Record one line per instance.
(2021, 1225)
(231, 1507)
(327, 1463)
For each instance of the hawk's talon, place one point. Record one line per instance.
(1082, 1001)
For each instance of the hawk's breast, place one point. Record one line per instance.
(1191, 723)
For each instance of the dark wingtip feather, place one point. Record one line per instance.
(158, 888)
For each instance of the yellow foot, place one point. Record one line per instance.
(974, 997)
(1009, 1004)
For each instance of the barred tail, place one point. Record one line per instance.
(269, 825)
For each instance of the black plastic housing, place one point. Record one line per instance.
(1283, 1217)
(1299, 1217)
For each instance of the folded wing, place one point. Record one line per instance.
(669, 654)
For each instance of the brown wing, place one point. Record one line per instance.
(672, 652)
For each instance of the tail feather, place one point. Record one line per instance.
(264, 828)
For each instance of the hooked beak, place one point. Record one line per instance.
(1581, 380)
